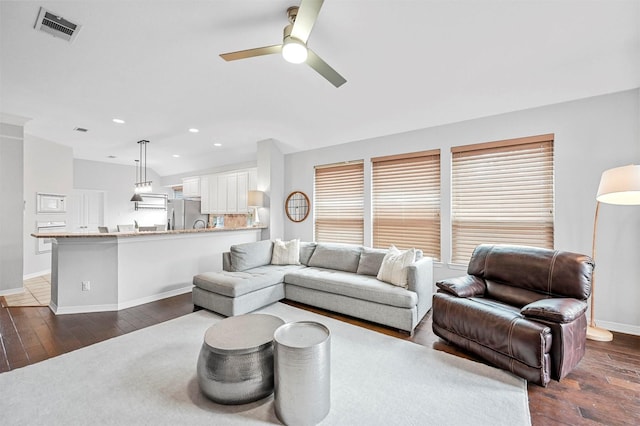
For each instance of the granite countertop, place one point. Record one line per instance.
(140, 234)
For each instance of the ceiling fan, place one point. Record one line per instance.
(294, 44)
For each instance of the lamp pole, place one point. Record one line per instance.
(593, 332)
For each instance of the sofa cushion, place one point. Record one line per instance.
(370, 261)
(306, 250)
(553, 273)
(234, 284)
(352, 285)
(394, 266)
(494, 325)
(557, 310)
(341, 257)
(286, 252)
(250, 255)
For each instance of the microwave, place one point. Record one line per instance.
(51, 203)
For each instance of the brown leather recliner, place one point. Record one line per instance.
(519, 308)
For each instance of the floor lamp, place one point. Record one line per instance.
(621, 186)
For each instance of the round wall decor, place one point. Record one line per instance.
(297, 206)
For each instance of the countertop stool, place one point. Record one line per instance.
(235, 365)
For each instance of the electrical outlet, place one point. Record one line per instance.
(86, 285)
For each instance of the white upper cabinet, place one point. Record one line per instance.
(242, 188)
(205, 199)
(226, 193)
(253, 180)
(191, 187)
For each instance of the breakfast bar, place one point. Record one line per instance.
(92, 272)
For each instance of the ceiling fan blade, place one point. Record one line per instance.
(250, 53)
(307, 15)
(315, 62)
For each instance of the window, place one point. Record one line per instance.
(406, 201)
(502, 192)
(339, 203)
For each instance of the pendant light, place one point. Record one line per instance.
(142, 185)
(136, 195)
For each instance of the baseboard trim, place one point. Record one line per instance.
(155, 297)
(11, 291)
(119, 306)
(620, 328)
(36, 274)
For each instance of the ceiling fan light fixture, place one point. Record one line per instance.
(294, 51)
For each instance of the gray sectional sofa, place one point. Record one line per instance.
(335, 277)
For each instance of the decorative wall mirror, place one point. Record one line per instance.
(297, 206)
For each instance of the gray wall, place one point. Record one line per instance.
(591, 135)
(11, 208)
(271, 181)
(48, 168)
(117, 181)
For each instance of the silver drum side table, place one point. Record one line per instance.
(302, 355)
(235, 365)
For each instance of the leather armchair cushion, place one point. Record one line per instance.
(556, 310)
(467, 286)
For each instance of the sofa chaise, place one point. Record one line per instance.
(520, 308)
(336, 277)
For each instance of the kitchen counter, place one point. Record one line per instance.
(95, 272)
(66, 234)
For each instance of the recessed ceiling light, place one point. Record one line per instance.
(217, 144)
(176, 156)
(118, 120)
(192, 130)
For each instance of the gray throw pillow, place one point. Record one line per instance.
(306, 250)
(250, 255)
(342, 257)
(370, 261)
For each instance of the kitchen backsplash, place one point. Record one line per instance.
(230, 220)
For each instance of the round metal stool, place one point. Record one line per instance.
(235, 365)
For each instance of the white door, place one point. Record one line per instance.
(87, 210)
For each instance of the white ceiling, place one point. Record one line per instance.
(408, 65)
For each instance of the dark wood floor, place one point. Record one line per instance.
(603, 390)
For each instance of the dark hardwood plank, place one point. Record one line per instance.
(604, 389)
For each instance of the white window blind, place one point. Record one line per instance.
(502, 192)
(339, 203)
(406, 201)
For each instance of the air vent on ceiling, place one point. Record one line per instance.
(56, 26)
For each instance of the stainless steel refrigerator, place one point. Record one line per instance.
(185, 214)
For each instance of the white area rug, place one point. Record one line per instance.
(149, 377)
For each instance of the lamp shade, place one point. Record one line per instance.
(620, 185)
(255, 199)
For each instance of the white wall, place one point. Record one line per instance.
(48, 168)
(271, 181)
(117, 181)
(591, 135)
(11, 209)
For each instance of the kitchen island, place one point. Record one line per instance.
(92, 272)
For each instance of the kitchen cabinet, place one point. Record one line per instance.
(253, 180)
(191, 187)
(205, 197)
(226, 193)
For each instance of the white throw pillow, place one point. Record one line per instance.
(394, 266)
(286, 252)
